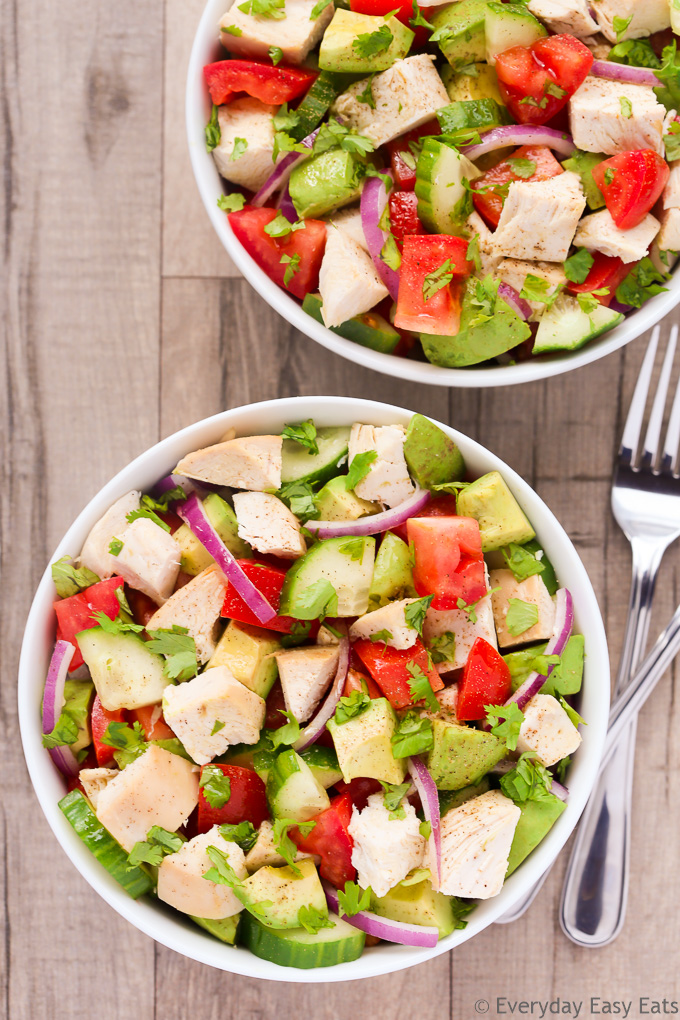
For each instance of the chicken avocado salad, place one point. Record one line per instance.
(315, 689)
(468, 183)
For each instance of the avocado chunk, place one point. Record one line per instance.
(463, 85)
(392, 573)
(461, 755)
(335, 502)
(467, 115)
(324, 182)
(247, 652)
(464, 40)
(195, 557)
(223, 929)
(566, 677)
(364, 744)
(501, 519)
(416, 904)
(367, 330)
(278, 893)
(432, 457)
(342, 50)
(450, 799)
(535, 821)
(78, 695)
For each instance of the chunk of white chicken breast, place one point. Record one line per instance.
(405, 96)
(348, 221)
(385, 849)
(515, 271)
(94, 781)
(671, 200)
(476, 227)
(448, 704)
(182, 884)
(669, 235)
(295, 34)
(539, 218)
(251, 122)
(476, 840)
(95, 554)
(440, 624)
(388, 481)
(532, 592)
(251, 462)
(547, 730)
(158, 788)
(266, 523)
(196, 606)
(149, 559)
(642, 18)
(611, 116)
(264, 854)
(193, 709)
(348, 282)
(388, 620)
(598, 232)
(305, 675)
(571, 17)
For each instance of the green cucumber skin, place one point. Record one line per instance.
(354, 329)
(101, 843)
(301, 466)
(318, 100)
(278, 946)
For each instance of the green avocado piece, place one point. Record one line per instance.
(582, 163)
(247, 652)
(450, 799)
(432, 457)
(463, 85)
(364, 744)
(338, 51)
(464, 39)
(195, 557)
(278, 893)
(466, 115)
(392, 573)
(416, 904)
(548, 575)
(461, 755)
(367, 330)
(324, 182)
(223, 929)
(535, 821)
(501, 519)
(565, 679)
(335, 502)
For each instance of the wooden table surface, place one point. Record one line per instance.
(124, 320)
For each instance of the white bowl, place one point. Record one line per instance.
(167, 926)
(207, 48)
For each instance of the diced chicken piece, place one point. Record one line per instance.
(547, 730)
(196, 606)
(158, 788)
(326, 637)
(264, 854)
(532, 591)
(598, 232)
(571, 17)
(388, 480)
(489, 260)
(390, 618)
(476, 840)
(611, 116)
(405, 96)
(250, 121)
(252, 462)
(539, 218)
(671, 200)
(94, 781)
(149, 560)
(305, 675)
(598, 46)
(268, 525)
(95, 554)
(385, 849)
(515, 271)
(448, 701)
(348, 282)
(439, 622)
(193, 708)
(644, 16)
(348, 221)
(663, 261)
(669, 235)
(182, 885)
(296, 34)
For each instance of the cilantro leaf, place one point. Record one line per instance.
(300, 498)
(128, 741)
(222, 872)
(299, 633)
(287, 734)
(521, 561)
(414, 613)
(264, 8)
(562, 768)
(243, 833)
(354, 548)
(642, 283)
(437, 280)
(318, 8)
(216, 786)
(529, 780)
(370, 44)
(179, 648)
(122, 600)
(505, 722)
(524, 168)
(159, 843)
(392, 798)
(420, 688)
(359, 467)
(116, 546)
(414, 735)
(419, 20)
(367, 95)
(318, 600)
(443, 647)
(303, 434)
(472, 253)
(312, 919)
(672, 141)
(275, 55)
(117, 626)
(469, 608)
(609, 175)
(69, 580)
(145, 511)
(282, 842)
(574, 716)
(217, 726)
(350, 706)
(635, 52)
(353, 899)
(626, 107)
(390, 253)
(534, 288)
(213, 133)
(521, 616)
(620, 25)
(668, 92)
(460, 910)
(292, 264)
(232, 30)
(65, 732)
(384, 636)
(233, 202)
(240, 146)
(425, 830)
(162, 502)
(578, 265)
(281, 226)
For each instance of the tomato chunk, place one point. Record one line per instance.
(606, 272)
(489, 204)
(357, 681)
(259, 79)
(403, 11)
(402, 157)
(331, 841)
(537, 81)
(152, 721)
(269, 581)
(359, 789)
(449, 562)
(302, 250)
(247, 799)
(486, 681)
(99, 720)
(389, 668)
(630, 183)
(77, 612)
(419, 309)
(404, 214)
(439, 506)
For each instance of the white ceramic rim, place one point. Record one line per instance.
(206, 48)
(163, 924)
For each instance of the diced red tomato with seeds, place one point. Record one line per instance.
(404, 214)
(449, 562)
(247, 799)
(403, 159)
(537, 81)
(331, 841)
(152, 721)
(302, 249)
(357, 681)
(100, 718)
(489, 204)
(389, 668)
(631, 182)
(77, 612)
(486, 681)
(606, 272)
(269, 581)
(421, 307)
(443, 505)
(259, 79)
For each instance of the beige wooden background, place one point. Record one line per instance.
(125, 321)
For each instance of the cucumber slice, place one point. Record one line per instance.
(125, 673)
(292, 789)
(314, 107)
(299, 465)
(368, 330)
(508, 25)
(323, 762)
(101, 843)
(439, 186)
(334, 560)
(566, 327)
(296, 947)
(224, 929)
(471, 115)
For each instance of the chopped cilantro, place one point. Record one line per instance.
(626, 107)
(231, 203)
(359, 467)
(529, 780)
(292, 263)
(367, 95)
(620, 25)
(213, 134)
(353, 899)
(354, 548)
(69, 580)
(393, 796)
(179, 648)
(413, 735)
(418, 19)
(668, 92)
(216, 786)
(420, 687)
(636, 52)
(574, 716)
(505, 722)
(371, 44)
(437, 280)
(117, 626)
(115, 546)
(318, 8)
(312, 919)
(472, 253)
(672, 141)
(240, 146)
(280, 226)
(578, 265)
(521, 616)
(217, 726)
(146, 512)
(351, 706)
(319, 599)
(381, 636)
(159, 843)
(128, 740)
(523, 168)
(642, 283)
(275, 55)
(300, 499)
(443, 647)
(287, 734)
(522, 561)
(303, 434)
(414, 613)
(284, 844)
(244, 833)
(264, 8)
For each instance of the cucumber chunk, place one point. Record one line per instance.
(224, 929)
(292, 789)
(440, 171)
(124, 671)
(463, 23)
(315, 105)
(323, 762)
(508, 25)
(299, 465)
(296, 947)
(334, 560)
(368, 330)
(566, 327)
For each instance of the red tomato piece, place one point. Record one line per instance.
(423, 255)
(486, 681)
(388, 667)
(76, 613)
(276, 704)
(269, 581)
(608, 272)
(630, 183)
(331, 841)
(537, 81)
(141, 605)
(449, 562)
(489, 204)
(403, 11)
(357, 681)
(359, 789)
(439, 506)
(304, 248)
(99, 720)
(259, 79)
(404, 214)
(247, 800)
(152, 721)
(402, 158)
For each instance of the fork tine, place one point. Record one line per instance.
(633, 427)
(672, 443)
(653, 434)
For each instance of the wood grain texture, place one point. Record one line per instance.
(123, 321)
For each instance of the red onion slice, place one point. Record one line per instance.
(624, 72)
(423, 936)
(53, 702)
(315, 728)
(374, 524)
(429, 798)
(564, 621)
(281, 172)
(193, 514)
(521, 134)
(512, 298)
(559, 790)
(172, 481)
(373, 202)
(286, 206)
